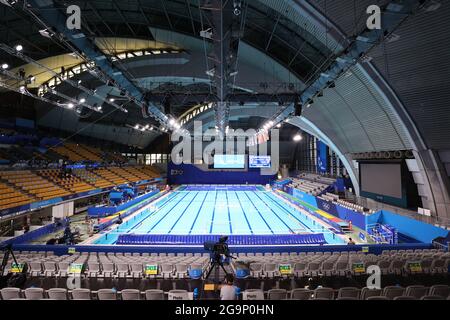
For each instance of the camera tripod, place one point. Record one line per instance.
(215, 263)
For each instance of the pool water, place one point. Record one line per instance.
(219, 211)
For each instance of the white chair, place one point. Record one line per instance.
(253, 294)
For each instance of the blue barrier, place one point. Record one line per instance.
(190, 174)
(32, 235)
(412, 228)
(241, 240)
(103, 211)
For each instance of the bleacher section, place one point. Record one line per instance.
(11, 197)
(319, 265)
(27, 186)
(66, 180)
(33, 184)
(313, 188)
(344, 203)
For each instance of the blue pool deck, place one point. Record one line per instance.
(219, 210)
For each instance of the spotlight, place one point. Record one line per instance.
(5, 66)
(70, 105)
(270, 123)
(147, 126)
(82, 100)
(298, 137)
(237, 8)
(22, 89)
(279, 125)
(171, 122)
(19, 48)
(99, 108)
(112, 99)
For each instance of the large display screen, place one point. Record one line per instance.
(229, 161)
(381, 178)
(259, 161)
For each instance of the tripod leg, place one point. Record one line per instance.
(211, 268)
(223, 268)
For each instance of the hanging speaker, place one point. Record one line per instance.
(298, 107)
(144, 110)
(167, 106)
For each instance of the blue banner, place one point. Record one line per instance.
(322, 153)
(327, 206)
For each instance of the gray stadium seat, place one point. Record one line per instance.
(131, 294)
(440, 290)
(57, 294)
(256, 270)
(301, 294)
(377, 298)
(35, 269)
(154, 294)
(81, 294)
(178, 295)
(167, 270)
(253, 294)
(108, 269)
(106, 294)
(367, 293)
(181, 270)
(404, 298)
(271, 270)
(416, 291)
(122, 270)
(300, 269)
(49, 268)
(349, 292)
(277, 294)
(93, 269)
(392, 291)
(432, 298)
(34, 293)
(137, 270)
(326, 293)
(10, 293)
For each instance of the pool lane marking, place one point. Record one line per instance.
(164, 203)
(307, 228)
(266, 204)
(159, 209)
(245, 216)
(198, 212)
(181, 215)
(228, 208)
(214, 210)
(245, 192)
(168, 212)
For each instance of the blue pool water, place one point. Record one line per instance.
(219, 211)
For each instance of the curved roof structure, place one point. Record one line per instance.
(395, 98)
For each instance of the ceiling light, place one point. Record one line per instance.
(111, 100)
(70, 105)
(171, 122)
(19, 48)
(5, 66)
(279, 125)
(82, 100)
(136, 126)
(298, 137)
(22, 89)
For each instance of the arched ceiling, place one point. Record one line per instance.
(397, 101)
